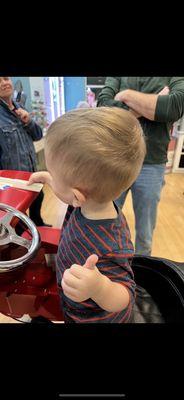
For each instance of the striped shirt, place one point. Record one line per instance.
(110, 240)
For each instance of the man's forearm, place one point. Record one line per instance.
(112, 297)
(143, 103)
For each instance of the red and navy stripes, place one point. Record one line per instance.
(110, 240)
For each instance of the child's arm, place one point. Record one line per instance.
(80, 283)
(40, 177)
(112, 296)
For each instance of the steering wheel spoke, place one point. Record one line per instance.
(8, 235)
(6, 219)
(21, 241)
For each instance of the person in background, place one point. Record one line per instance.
(17, 133)
(91, 98)
(19, 95)
(83, 104)
(157, 102)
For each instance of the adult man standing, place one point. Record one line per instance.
(158, 102)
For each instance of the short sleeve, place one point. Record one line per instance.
(117, 267)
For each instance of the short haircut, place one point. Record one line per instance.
(98, 151)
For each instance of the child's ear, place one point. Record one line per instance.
(78, 198)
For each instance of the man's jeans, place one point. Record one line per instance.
(146, 193)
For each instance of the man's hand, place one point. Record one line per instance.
(80, 283)
(164, 91)
(123, 95)
(40, 177)
(23, 115)
(136, 114)
(135, 100)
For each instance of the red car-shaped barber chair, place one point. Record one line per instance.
(27, 268)
(27, 259)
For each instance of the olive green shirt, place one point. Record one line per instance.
(169, 108)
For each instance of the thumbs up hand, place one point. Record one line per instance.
(80, 283)
(91, 262)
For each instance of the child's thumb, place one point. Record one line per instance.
(91, 261)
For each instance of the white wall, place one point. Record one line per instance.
(36, 83)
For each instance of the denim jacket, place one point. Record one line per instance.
(17, 150)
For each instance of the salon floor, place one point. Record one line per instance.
(168, 239)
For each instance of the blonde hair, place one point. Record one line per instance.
(99, 151)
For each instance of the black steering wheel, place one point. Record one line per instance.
(8, 236)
